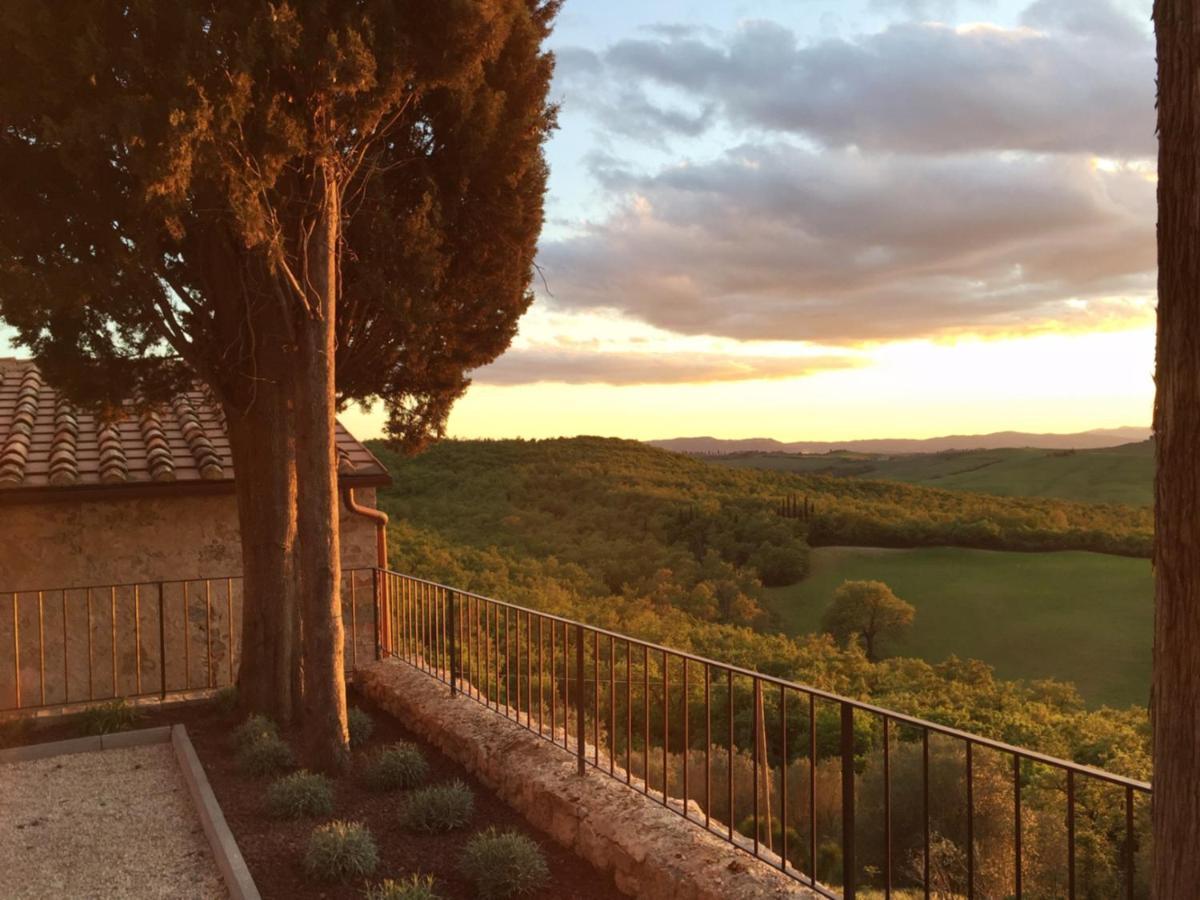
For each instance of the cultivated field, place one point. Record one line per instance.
(1122, 474)
(1081, 617)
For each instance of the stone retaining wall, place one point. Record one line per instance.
(651, 851)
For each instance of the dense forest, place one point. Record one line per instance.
(675, 550)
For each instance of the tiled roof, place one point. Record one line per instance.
(46, 443)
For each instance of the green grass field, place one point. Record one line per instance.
(1081, 617)
(1112, 475)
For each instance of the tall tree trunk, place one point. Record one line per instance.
(1175, 697)
(262, 440)
(319, 561)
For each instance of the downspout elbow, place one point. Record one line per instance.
(379, 517)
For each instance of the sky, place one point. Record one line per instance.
(838, 219)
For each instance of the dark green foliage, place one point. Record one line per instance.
(414, 887)
(439, 807)
(227, 700)
(339, 851)
(361, 726)
(504, 864)
(300, 794)
(166, 154)
(867, 611)
(545, 524)
(116, 715)
(398, 766)
(254, 729)
(266, 754)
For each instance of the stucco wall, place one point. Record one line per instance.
(192, 543)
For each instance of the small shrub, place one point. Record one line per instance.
(442, 807)
(300, 794)
(106, 718)
(253, 729)
(265, 756)
(361, 726)
(503, 864)
(338, 851)
(414, 887)
(398, 766)
(226, 700)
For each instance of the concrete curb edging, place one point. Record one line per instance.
(88, 744)
(224, 848)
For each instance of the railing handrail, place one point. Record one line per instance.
(141, 582)
(895, 716)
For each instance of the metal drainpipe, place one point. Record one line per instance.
(380, 519)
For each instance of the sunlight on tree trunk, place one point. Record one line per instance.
(1175, 701)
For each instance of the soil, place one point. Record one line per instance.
(273, 849)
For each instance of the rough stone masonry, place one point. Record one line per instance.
(650, 850)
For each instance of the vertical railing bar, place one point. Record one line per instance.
(187, 640)
(707, 745)
(137, 633)
(754, 757)
(646, 716)
(162, 645)
(729, 756)
(553, 681)
(353, 620)
(783, 779)
(628, 713)
(1129, 863)
(596, 699)
(529, 670)
(541, 677)
(1017, 873)
(66, 655)
(91, 693)
(612, 704)
(580, 723)
(112, 601)
(1071, 834)
(970, 820)
(887, 810)
(686, 747)
(925, 808)
(229, 624)
(42, 648)
(847, 748)
(507, 662)
(666, 711)
(453, 627)
(812, 788)
(17, 648)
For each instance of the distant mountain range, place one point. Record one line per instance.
(1084, 440)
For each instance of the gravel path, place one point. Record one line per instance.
(114, 823)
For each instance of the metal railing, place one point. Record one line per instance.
(142, 640)
(841, 795)
(844, 796)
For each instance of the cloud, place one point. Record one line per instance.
(781, 242)
(1077, 77)
(576, 366)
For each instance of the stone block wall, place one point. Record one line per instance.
(651, 851)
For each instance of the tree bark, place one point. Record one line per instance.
(319, 561)
(1175, 695)
(262, 440)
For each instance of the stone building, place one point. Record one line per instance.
(133, 509)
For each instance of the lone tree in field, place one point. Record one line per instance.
(1175, 696)
(301, 205)
(867, 611)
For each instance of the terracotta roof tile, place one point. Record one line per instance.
(45, 442)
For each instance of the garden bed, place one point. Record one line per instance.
(274, 849)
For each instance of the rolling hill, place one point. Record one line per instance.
(1122, 474)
